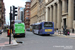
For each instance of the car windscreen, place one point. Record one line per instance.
(18, 21)
(48, 24)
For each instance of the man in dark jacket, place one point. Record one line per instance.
(73, 30)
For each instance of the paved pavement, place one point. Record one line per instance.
(71, 34)
(4, 40)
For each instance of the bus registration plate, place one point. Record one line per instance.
(48, 30)
(18, 34)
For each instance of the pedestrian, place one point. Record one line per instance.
(57, 30)
(68, 32)
(63, 30)
(72, 30)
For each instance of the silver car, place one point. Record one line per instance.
(28, 29)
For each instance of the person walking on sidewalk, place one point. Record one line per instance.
(57, 30)
(72, 30)
(67, 31)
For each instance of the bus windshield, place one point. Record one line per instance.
(48, 24)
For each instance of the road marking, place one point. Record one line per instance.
(65, 37)
(14, 42)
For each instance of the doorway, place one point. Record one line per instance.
(64, 23)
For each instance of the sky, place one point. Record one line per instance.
(9, 3)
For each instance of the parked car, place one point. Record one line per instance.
(28, 29)
(0, 31)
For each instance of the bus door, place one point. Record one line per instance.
(40, 28)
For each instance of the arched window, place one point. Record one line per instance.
(74, 9)
(40, 0)
(67, 5)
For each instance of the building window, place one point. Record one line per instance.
(67, 5)
(26, 17)
(40, 0)
(74, 9)
(28, 7)
(28, 4)
(28, 14)
(27, 11)
(0, 24)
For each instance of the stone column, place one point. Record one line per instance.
(70, 14)
(64, 6)
(51, 14)
(46, 14)
(59, 15)
(54, 15)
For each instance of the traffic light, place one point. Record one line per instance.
(14, 12)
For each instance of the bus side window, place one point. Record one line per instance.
(36, 27)
(40, 26)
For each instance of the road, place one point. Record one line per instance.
(36, 42)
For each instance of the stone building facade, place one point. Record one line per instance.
(27, 14)
(34, 11)
(61, 12)
(2, 14)
(41, 11)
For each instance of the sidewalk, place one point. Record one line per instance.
(71, 34)
(4, 40)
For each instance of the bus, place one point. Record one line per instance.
(19, 29)
(43, 28)
(31, 27)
